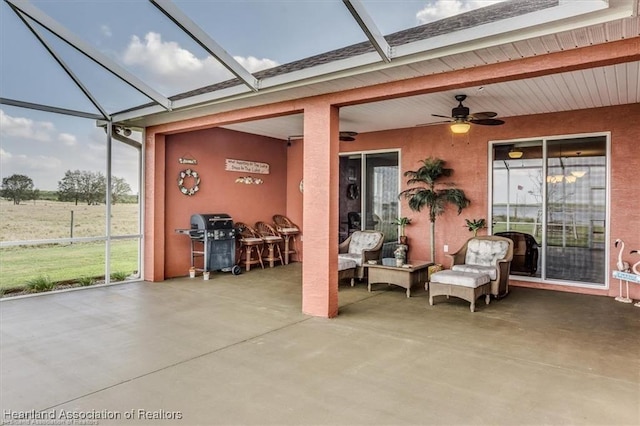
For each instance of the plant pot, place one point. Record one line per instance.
(205, 275)
(192, 273)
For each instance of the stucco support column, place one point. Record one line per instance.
(154, 190)
(320, 210)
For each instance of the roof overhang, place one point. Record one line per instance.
(567, 17)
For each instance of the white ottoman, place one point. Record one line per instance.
(465, 285)
(347, 269)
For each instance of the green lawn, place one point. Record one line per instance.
(65, 262)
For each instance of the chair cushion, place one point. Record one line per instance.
(251, 240)
(363, 241)
(288, 230)
(354, 257)
(344, 264)
(271, 238)
(463, 279)
(479, 269)
(485, 252)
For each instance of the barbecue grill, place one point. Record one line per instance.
(213, 237)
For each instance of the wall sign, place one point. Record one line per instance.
(184, 160)
(246, 166)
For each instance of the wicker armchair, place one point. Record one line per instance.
(489, 254)
(360, 247)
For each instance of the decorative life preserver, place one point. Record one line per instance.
(196, 178)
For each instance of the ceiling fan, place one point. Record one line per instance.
(348, 136)
(344, 136)
(461, 118)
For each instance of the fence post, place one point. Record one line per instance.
(71, 230)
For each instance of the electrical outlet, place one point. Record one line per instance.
(446, 248)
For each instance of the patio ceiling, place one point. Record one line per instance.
(521, 29)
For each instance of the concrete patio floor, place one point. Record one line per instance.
(238, 350)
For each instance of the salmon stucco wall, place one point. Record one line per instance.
(294, 194)
(467, 155)
(219, 193)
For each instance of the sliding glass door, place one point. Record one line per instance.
(549, 196)
(369, 186)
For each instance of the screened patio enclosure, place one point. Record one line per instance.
(148, 65)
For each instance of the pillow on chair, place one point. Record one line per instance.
(485, 252)
(361, 241)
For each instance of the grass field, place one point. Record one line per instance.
(52, 219)
(63, 262)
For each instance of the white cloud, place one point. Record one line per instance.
(439, 9)
(106, 30)
(5, 156)
(67, 139)
(26, 128)
(26, 164)
(173, 67)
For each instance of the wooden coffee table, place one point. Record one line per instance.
(413, 273)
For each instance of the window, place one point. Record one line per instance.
(555, 191)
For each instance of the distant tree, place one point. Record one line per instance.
(17, 188)
(92, 187)
(69, 187)
(119, 188)
(82, 185)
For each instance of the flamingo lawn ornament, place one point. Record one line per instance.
(636, 266)
(621, 264)
(622, 267)
(636, 270)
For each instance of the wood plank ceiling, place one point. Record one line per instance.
(590, 88)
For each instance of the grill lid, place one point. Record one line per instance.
(211, 221)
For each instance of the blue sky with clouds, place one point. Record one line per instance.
(259, 34)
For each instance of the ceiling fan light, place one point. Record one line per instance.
(579, 173)
(515, 153)
(460, 127)
(570, 179)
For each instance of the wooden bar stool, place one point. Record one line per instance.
(288, 231)
(251, 246)
(272, 243)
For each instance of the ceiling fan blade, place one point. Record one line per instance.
(484, 114)
(345, 136)
(441, 116)
(435, 123)
(488, 122)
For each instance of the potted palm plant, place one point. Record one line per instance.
(402, 223)
(430, 191)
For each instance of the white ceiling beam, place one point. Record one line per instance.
(369, 27)
(203, 39)
(62, 63)
(76, 42)
(48, 108)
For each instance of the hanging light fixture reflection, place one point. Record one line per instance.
(579, 173)
(515, 153)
